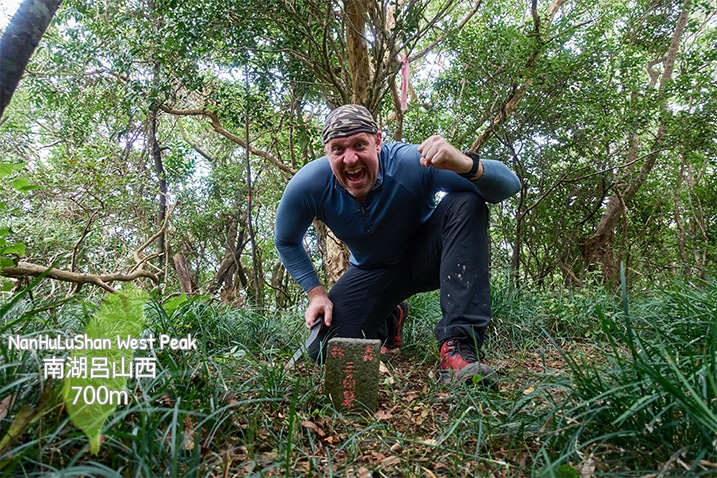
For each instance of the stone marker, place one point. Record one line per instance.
(351, 380)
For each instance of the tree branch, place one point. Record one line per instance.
(519, 90)
(217, 126)
(438, 41)
(24, 269)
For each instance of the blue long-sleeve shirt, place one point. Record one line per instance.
(378, 231)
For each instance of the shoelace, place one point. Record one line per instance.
(465, 349)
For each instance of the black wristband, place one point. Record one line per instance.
(476, 164)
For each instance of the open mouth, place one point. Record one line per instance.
(355, 175)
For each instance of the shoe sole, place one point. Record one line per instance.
(471, 373)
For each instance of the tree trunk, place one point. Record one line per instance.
(186, 283)
(19, 42)
(517, 247)
(257, 273)
(278, 276)
(599, 248)
(156, 153)
(234, 243)
(334, 253)
(357, 50)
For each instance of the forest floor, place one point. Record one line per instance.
(584, 387)
(417, 429)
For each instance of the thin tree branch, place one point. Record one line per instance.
(438, 41)
(217, 126)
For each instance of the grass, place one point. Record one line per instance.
(590, 383)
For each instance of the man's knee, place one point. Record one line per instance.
(465, 206)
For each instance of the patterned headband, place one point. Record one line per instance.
(348, 120)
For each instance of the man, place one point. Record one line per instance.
(380, 199)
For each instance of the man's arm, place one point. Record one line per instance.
(492, 178)
(294, 215)
(294, 256)
(293, 218)
(497, 183)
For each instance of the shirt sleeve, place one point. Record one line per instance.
(498, 183)
(293, 218)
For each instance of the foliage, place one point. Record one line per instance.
(90, 399)
(223, 101)
(563, 404)
(654, 393)
(104, 73)
(12, 250)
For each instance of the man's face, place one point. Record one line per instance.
(354, 161)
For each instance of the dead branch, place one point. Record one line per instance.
(25, 269)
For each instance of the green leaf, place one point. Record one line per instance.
(7, 262)
(6, 285)
(18, 249)
(23, 185)
(170, 305)
(567, 471)
(90, 399)
(6, 169)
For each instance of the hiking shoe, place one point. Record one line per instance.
(395, 324)
(459, 361)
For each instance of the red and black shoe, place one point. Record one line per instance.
(395, 325)
(459, 361)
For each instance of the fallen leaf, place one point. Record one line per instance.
(409, 398)
(427, 472)
(188, 443)
(310, 425)
(5, 405)
(383, 370)
(587, 468)
(313, 427)
(374, 456)
(383, 415)
(363, 472)
(331, 439)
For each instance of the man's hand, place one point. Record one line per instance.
(319, 304)
(439, 153)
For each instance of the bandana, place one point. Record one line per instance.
(347, 120)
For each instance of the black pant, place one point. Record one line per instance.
(450, 253)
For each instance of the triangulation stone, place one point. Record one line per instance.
(351, 381)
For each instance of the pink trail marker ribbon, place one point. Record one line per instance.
(405, 75)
